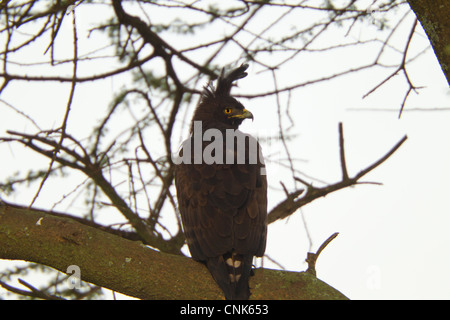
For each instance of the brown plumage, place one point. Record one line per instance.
(222, 199)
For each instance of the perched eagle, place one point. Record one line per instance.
(222, 189)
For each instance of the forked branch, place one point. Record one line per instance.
(293, 203)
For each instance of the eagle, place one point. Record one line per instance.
(221, 187)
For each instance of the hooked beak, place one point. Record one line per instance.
(244, 115)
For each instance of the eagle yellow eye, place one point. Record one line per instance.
(227, 110)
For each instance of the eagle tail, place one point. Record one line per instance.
(232, 272)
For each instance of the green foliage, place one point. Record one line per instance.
(57, 287)
(15, 181)
(151, 80)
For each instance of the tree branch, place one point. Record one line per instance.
(290, 205)
(93, 171)
(433, 15)
(312, 257)
(130, 267)
(161, 47)
(34, 293)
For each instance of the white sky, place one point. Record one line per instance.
(393, 238)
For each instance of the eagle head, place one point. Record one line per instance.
(217, 108)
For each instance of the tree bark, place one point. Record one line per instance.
(434, 17)
(129, 267)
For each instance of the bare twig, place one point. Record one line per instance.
(312, 257)
(400, 68)
(33, 293)
(342, 153)
(69, 103)
(289, 206)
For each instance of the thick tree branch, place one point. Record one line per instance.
(433, 15)
(130, 267)
(94, 171)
